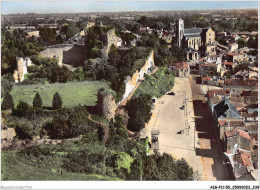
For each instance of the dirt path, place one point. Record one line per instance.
(105, 128)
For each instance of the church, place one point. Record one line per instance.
(195, 42)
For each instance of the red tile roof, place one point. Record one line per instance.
(242, 82)
(208, 65)
(234, 54)
(235, 132)
(206, 78)
(142, 29)
(249, 93)
(236, 124)
(245, 156)
(181, 65)
(222, 122)
(228, 63)
(248, 115)
(212, 93)
(243, 134)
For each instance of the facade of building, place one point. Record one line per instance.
(181, 69)
(236, 57)
(194, 41)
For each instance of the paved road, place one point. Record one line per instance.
(211, 156)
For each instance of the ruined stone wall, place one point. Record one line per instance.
(131, 82)
(111, 39)
(74, 55)
(22, 65)
(55, 52)
(106, 105)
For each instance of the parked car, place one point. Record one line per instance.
(182, 107)
(171, 93)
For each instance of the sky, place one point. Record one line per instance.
(9, 7)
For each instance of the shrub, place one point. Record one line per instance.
(56, 101)
(22, 109)
(8, 102)
(37, 101)
(7, 83)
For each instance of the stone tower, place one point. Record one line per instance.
(106, 105)
(179, 31)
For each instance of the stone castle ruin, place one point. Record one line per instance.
(106, 105)
(22, 65)
(74, 55)
(111, 39)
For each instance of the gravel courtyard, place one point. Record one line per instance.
(169, 119)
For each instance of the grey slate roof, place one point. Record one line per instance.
(192, 32)
(226, 110)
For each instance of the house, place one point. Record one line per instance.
(228, 65)
(36, 34)
(221, 34)
(208, 69)
(233, 47)
(236, 57)
(243, 50)
(181, 69)
(226, 117)
(216, 96)
(119, 42)
(236, 86)
(236, 138)
(250, 97)
(146, 30)
(205, 79)
(242, 165)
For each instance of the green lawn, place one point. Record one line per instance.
(156, 84)
(12, 168)
(72, 94)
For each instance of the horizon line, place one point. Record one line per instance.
(173, 10)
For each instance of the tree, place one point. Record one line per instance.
(37, 101)
(183, 170)
(124, 160)
(8, 102)
(22, 109)
(120, 127)
(241, 43)
(139, 111)
(56, 101)
(150, 169)
(59, 128)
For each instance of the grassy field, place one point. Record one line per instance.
(72, 94)
(13, 168)
(157, 84)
